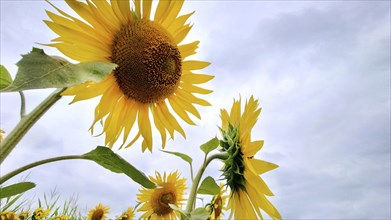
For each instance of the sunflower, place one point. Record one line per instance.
(241, 169)
(218, 204)
(8, 215)
(98, 213)
(155, 202)
(40, 213)
(152, 75)
(61, 217)
(127, 215)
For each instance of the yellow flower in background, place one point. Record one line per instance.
(153, 73)
(40, 213)
(62, 217)
(170, 190)
(218, 204)
(8, 215)
(98, 213)
(127, 215)
(241, 169)
(24, 214)
(2, 135)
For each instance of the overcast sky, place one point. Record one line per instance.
(321, 70)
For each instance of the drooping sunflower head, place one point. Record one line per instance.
(153, 71)
(98, 213)
(127, 215)
(8, 215)
(155, 202)
(241, 170)
(40, 213)
(218, 204)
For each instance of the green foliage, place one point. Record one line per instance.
(210, 145)
(111, 161)
(5, 78)
(184, 216)
(16, 189)
(209, 186)
(38, 70)
(199, 214)
(184, 157)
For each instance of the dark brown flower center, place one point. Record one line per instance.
(163, 208)
(149, 62)
(97, 214)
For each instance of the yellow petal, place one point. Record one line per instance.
(193, 99)
(188, 49)
(194, 65)
(173, 12)
(194, 78)
(252, 148)
(161, 10)
(261, 166)
(171, 119)
(147, 4)
(180, 35)
(195, 89)
(178, 23)
(186, 106)
(144, 124)
(137, 8)
(182, 114)
(160, 127)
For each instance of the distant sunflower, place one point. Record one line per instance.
(152, 72)
(40, 213)
(127, 215)
(241, 169)
(8, 215)
(155, 202)
(218, 204)
(98, 213)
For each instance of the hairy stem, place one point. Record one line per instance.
(26, 123)
(196, 181)
(37, 163)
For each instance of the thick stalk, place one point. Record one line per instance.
(196, 181)
(37, 163)
(26, 123)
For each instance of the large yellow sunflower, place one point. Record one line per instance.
(155, 202)
(241, 169)
(153, 73)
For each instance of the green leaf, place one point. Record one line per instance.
(210, 145)
(5, 78)
(209, 187)
(111, 161)
(15, 189)
(199, 214)
(38, 70)
(185, 157)
(184, 216)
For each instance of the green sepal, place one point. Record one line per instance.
(210, 145)
(37, 70)
(209, 187)
(15, 189)
(113, 162)
(5, 77)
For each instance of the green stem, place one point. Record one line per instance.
(37, 163)
(196, 181)
(22, 104)
(26, 123)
